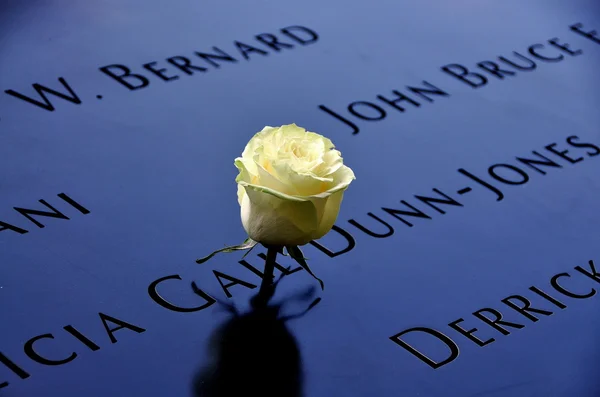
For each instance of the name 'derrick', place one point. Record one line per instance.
(437, 348)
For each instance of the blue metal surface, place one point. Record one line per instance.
(151, 173)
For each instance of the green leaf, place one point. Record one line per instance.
(297, 255)
(248, 244)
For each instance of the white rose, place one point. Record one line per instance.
(290, 186)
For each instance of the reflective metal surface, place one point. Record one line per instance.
(472, 128)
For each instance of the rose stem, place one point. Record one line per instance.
(266, 286)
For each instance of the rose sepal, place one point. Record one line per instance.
(248, 244)
(296, 254)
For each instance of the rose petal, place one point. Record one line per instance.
(330, 213)
(272, 220)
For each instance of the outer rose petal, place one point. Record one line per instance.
(272, 220)
(342, 179)
(241, 192)
(330, 213)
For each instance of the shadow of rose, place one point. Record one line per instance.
(254, 353)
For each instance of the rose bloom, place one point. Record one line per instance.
(290, 185)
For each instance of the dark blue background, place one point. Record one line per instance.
(155, 167)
